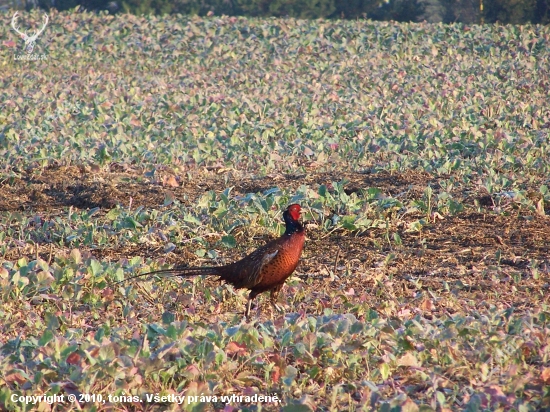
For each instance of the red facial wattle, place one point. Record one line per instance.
(294, 211)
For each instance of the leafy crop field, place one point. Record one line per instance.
(419, 153)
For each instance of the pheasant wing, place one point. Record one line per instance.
(246, 273)
(268, 257)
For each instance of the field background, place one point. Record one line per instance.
(419, 152)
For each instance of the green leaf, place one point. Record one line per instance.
(441, 398)
(229, 241)
(169, 198)
(290, 375)
(107, 353)
(96, 267)
(113, 214)
(348, 222)
(46, 337)
(131, 222)
(168, 317)
(220, 212)
(93, 212)
(76, 256)
(385, 371)
(119, 275)
(191, 219)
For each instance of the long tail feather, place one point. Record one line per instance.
(193, 271)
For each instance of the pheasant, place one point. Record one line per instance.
(265, 269)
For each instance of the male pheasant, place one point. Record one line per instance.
(265, 269)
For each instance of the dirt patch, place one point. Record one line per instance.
(58, 187)
(470, 251)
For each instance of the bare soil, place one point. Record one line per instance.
(497, 259)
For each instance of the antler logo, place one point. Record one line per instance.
(29, 40)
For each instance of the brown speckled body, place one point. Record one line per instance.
(265, 269)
